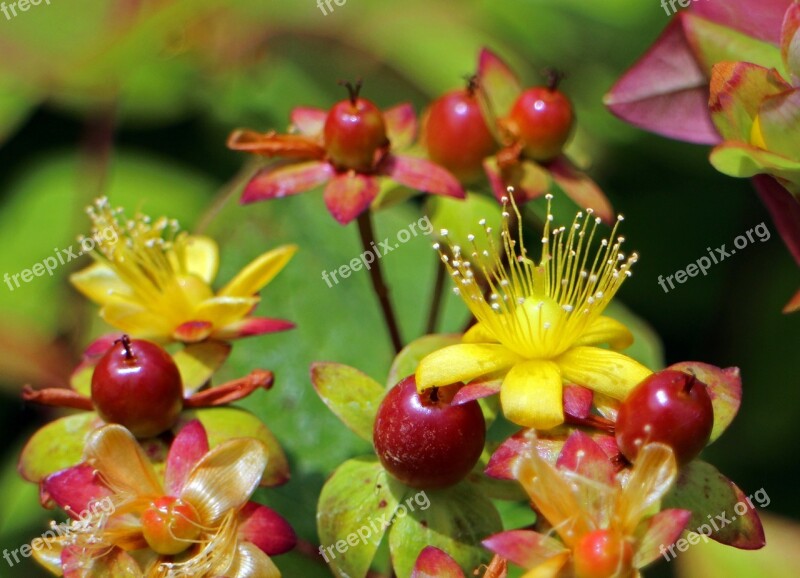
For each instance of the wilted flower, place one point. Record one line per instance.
(194, 520)
(605, 523)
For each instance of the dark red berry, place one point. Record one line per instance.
(602, 554)
(423, 440)
(542, 120)
(137, 384)
(456, 135)
(354, 132)
(670, 407)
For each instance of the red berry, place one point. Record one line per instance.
(170, 525)
(354, 132)
(423, 440)
(542, 120)
(456, 135)
(602, 554)
(137, 384)
(670, 407)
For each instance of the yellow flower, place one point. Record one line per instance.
(154, 281)
(541, 324)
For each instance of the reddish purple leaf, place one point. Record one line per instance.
(251, 326)
(434, 563)
(666, 84)
(74, 489)
(577, 400)
(266, 529)
(758, 18)
(401, 126)
(350, 194)
(662, 530)
(580, 188)
(524, 547)
(499, 86)
(308, 121)
(476, 390)
(583, 456)
(422, 175)
(189, 446)
(281, 179)
(785, 211)
(790, 41)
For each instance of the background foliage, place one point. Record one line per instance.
(171, 78)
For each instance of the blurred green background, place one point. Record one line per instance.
(134, 99)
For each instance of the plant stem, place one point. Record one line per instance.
(436, 298)
(367, 234)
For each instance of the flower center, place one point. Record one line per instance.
(170, 525)
(540, 310)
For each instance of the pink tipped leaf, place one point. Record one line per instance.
(187, 448)
(583, 456)
(401, 126)
(422, 175)
(350, 194)
(282, 180)
(580, 188)
(308, 121)
(435, 563)
(266, 529)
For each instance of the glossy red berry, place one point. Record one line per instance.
(137, 384)
(423, 440)
(355, 132)
(456, 136)
(670, 407)
(602, 554)
(542, 119)
(170, 525)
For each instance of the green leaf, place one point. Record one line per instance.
(744, 161)
(456, 520)
(57, 445)
(198, 362)
(714, 43)
(647, 348)
(353, 396)
(224, 423)
(724, 388)
(355, 507)
(719, 508)
(460, 218)
(409, 357)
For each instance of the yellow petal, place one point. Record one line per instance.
(202, 257)
(606, 330)
(549, 569)
(607, 372)
(254, 276)
(651, 478)
(124, 467)
(531, 395)
(478, 333)
(47, 551)
(100, 283)
(462, 362)
(553, 496)
(251, 562)
(136, 320)
(222, 311)
(225, 478)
